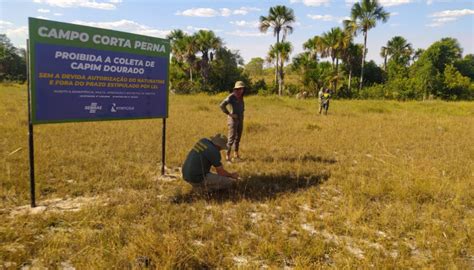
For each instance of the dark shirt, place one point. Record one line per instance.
(237, 105)
(199, 161)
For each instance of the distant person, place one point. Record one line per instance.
(235, 118)
(320, 98)
(325, 101)
(196, 167)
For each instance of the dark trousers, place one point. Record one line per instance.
(236, 126)
(324, 105)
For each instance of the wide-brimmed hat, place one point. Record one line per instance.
(239, 84)
(219, 140)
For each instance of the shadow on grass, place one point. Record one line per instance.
(256, 188)
(303, 158)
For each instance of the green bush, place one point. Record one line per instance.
(399, 89)
(260, 85)
(457, 86)
(375, 91)
(292, 89)
(187, 87)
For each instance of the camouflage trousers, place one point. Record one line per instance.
(214, 181)
(236, 126)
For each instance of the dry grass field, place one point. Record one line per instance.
(375, 184)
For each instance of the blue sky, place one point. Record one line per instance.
(421, 22)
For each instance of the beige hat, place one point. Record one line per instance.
(219, 140)
(239, 84)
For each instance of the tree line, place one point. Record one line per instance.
(439, 71)
(201, 62)
(12, 61)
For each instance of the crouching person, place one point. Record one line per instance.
(196, 168)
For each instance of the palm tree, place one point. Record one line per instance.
(304, 63)
(184, 49)
(283, 50)
(175, 37)
(384, 54)
(399, 50)
(351, 57)
(364, 16)
(314, 46)
(336, 40)
(418, 52)
(207, 42)
(280, 19)
(331, 40)
(272, 55)
(189, 47)
(272, 58)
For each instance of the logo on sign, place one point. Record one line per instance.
(93, 108)
(116, 108)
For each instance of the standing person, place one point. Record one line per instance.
(196, 167)
(320, 99)
(325, 101)
(235, 118)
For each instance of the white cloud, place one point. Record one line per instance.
(445, 19)
(240, 12)
(5, 24)
(210, 12)
(225, 12)
(115, 1)
(80, 3)
(244, 10)
(42, 10)
(250, 9)
(327, 18)
(312, 3)
(251, 24)
(199, 12)
(58, 14)
(190, 29)
(389, 3)
(195, 29)
(453, 13)
(17, 35)
(442, 17)
(394, 13)
(128, 26)
(385, 3)
(241, 33)
(434, 24)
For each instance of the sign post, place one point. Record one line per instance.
(31, 149)
(163, 147)
(80, 73)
